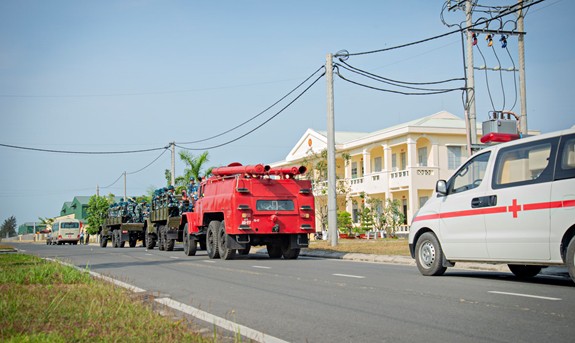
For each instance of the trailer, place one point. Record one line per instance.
(244, 206)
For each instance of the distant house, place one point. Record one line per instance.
(30, 227)
(77, 208)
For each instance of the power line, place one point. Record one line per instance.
(257, 115)
(486, 21)
(81, 152)
(262, 124)
(149, 164)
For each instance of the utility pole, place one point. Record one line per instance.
(522, 87)
(125, 196)
(331, 168)
(98, 190)
(173, 180)
(470, 82)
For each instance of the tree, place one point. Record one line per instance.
(97, 209)
(344, 221)
(394, 217)
(195, 167)
(8, 228)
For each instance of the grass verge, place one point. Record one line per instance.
(366, 246)
(42, 301)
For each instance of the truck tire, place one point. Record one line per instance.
(225, 252)
(570, 258)
(290, 254)
(161, 237)
(524, 271)
(121, 242)
(150, 241)
(170, 243)
(190, 244)
(429, 256)
(114, 240)
(274, 250)
(212, 239)
(132, 241)
(103, 241)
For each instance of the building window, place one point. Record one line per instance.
(393, 162)
(453, 157)
(422, 157)
(377, 164)
(354, 213)
(353, 170)
(422, 201)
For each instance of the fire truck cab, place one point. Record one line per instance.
(511, 203)
(244, 206)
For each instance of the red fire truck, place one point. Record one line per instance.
(244, 206)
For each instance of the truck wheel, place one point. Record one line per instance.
(290, 254)
(114, 240)
(170, 243)
(190, 244)
(225, 252)
(274, 251)
(524, 271)
(429, 256)
(150, 241)
(570, 258)
(103, 241)
(132, 242)
(161, 238)
(245, 251)
(212, 239)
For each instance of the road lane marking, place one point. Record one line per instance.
(221, 322)
(262, 267)
(351, 276)
(209, 261)
(175, 257)
(149, 254)
(100, 276)
(525, 295)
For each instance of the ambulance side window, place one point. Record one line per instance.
(566, 164)
(524, 164)
(470, 175)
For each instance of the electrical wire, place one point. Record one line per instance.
(486, 77)
(487, 21)
(514, 78)
(259, 126)
(500, 76)
(149, 164)
(395, 91)
(257, 115)
(81, 152)
(113, 183)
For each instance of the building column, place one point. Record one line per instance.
(386, 158)
(411, 153)
(366, 162)
(435, 155)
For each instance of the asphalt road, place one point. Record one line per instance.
(326, 300)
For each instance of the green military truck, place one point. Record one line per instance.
(119, 231)
(163, 227)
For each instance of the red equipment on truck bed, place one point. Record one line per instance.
(243, 206)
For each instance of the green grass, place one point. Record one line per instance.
(43, 301)
(386, 246)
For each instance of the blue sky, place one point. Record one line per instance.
(138, 74)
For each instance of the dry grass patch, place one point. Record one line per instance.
(365, 246)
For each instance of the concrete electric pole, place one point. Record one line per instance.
(331, 168)
(173, 169)
(125, 196)
(521, 53)
(470, 83)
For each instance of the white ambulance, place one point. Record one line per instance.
(511, 203)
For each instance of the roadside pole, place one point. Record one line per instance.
(331, 168)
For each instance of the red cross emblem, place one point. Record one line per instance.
(514, 208)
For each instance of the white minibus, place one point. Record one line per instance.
(64, 231)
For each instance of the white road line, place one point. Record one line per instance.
(525, 295)
(100, 276)
(175, 257)
(149, 255)
(351, 276)
(262, 267)
(221, 322)
(209, 261)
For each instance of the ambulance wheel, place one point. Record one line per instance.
(225, 252)
(570, 258)
(524, 271)
(274, 251)
(212, 239)
(429, 256)
(190, 244)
